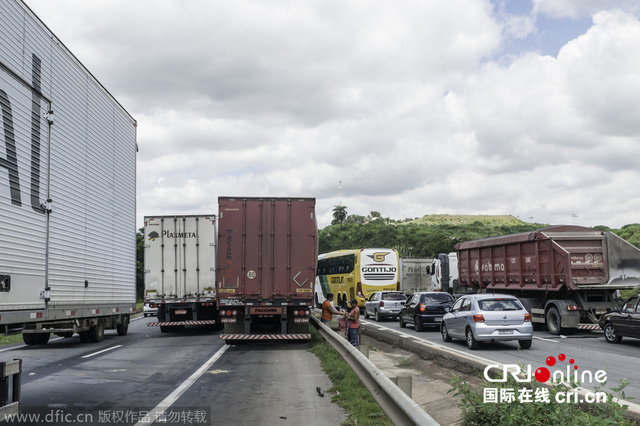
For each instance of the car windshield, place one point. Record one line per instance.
(499, 305)
(437, 298)
(393, 296)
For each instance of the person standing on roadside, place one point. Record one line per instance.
(353, 323)
(328, 310)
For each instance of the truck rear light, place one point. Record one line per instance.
(307, 313)
(572, 308)
(478, 318)
(527, 317)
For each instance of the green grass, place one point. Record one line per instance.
(461, 219)
(10, 339)
(350, 394)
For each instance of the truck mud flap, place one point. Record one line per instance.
(265, 336)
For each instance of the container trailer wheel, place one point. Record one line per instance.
(96, 332)
(122, 329)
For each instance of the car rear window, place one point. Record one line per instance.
(499, 305)
(393, 296)
(436, 298)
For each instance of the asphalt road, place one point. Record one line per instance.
(189, 377)
(587, 348)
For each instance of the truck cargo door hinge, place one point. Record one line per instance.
(46, 206)
(46, 295)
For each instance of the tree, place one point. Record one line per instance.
(339, 214)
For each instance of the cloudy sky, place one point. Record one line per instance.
(527, 108)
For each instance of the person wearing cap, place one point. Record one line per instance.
(353, 323)
(328, 311)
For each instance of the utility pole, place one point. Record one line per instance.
(340, 199)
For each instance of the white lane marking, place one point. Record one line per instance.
(173, 397)
(102, 351)
(546, 340)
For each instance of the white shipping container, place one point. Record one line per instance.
(180, 257)
(67, 178)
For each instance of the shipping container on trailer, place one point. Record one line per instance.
(179, 276)
(267, 254)
(567, 276)
(67, 189)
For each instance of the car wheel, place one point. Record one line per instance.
(445, 333)
(525, 344)
(610, 334)
(366, 313)
(472, 343)
(145, 315)
(376, 316)
(553, 320)
(419, 326)
(401, 322)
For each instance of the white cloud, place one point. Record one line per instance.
(408, 104)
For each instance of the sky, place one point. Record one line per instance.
(505, 107)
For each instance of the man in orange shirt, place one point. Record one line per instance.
(328, 311)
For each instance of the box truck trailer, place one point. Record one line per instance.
(566, 276)
(179, 275)
(416, 274)
(67, 190)
(267, 255)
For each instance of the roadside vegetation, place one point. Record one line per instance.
(347, 390)
(477, 410)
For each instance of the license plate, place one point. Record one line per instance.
(181, 312)
(504, 332)
(228, 320)
(438, 319)
(300, 320)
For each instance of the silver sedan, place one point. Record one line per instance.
(488, 318)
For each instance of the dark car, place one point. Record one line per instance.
(623, 322)
(425, 309)
(384, 304)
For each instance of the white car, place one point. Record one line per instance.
(488, 318)
(150, 309)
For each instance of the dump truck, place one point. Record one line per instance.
(266, 269)
(180, 268)
(67, 190)
(566, 276)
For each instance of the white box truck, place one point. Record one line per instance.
(67, 190)
(416, 273)
(180, 268)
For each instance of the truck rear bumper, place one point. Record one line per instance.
(175, 323)
(265, 336)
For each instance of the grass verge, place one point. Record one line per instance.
(348, 392)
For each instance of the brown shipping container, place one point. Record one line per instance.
(267, 250)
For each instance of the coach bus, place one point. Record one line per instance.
(355, 274)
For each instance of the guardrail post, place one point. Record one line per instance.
(404, 382)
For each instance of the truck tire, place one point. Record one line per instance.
(96, 332)
(610, 334)
(122, 329)
(554, 321)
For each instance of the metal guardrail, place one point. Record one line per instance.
(10, 381)
(400, 409)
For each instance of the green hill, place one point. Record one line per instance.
(461, 219)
